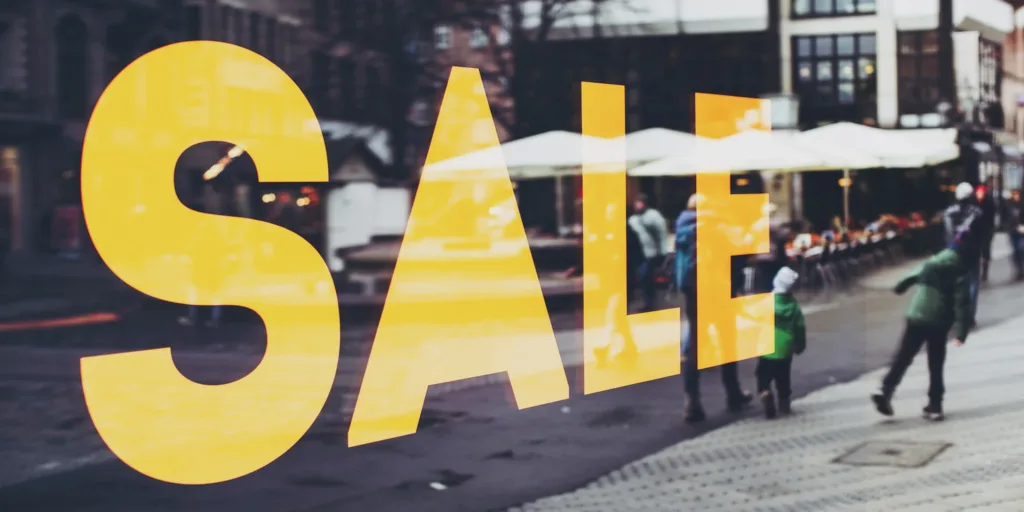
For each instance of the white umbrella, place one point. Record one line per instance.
(746, 151)
(646, 146)
(893, 148)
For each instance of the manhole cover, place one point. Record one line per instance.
(901, 454)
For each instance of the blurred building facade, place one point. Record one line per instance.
(56, 57)
(1013, 99)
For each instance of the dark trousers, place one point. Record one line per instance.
(691, 375)
(913, 338)
(1017, 245)
(646, 277)
(775, 371)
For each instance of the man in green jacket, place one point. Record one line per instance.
(790, 339)
(941, 302)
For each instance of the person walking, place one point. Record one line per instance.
(961, 213)
(790, 340)
(1013, 220)
(652, 230)
(686, 281)
(986, 228)
(941, 302)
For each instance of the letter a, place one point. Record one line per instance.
(464, 299)
(619, 349)
(149, 414)
(723, 220)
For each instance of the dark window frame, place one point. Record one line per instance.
(821, 56)
(911, 57)
(831, 12)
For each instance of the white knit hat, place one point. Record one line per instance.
(784, 280)
(964, 191)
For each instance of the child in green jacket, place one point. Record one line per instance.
(790, 339)
(941, 302)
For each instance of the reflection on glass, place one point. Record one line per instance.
(801, 7)
(824, 71)
(845, 6)
(930, 42)
(846, 69)
(908, 44)
(866, 67)
(866, 6)
(823, 45)
(846, 95)
(805, 71)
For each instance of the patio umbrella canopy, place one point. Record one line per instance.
(746, 151)
(652, 144)
(893, 148)
(547, 155)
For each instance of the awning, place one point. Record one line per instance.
(901, 149)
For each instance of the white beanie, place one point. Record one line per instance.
(784, 280)
(964, 191)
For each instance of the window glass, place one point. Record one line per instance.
(908, 68)
(908, 44)
(846, 95)
(930, 67)
(803, 47)
(823, 6)
(824, 71)
(866, 6)
(930, 42)
(846, 6)
(823, 46)
(846, 69)
(804, 71)
(801, 7)
(845, 45)
(867, 44)
(866, 68)
(825, 94)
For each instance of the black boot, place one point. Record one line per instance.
(739, 400)
(784, 406)
(768, 401)
(694, 410)
(883, 403)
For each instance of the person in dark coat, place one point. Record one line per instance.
(1013, 217)
(986, 228)
(941, 302)
(686, 281)
(960, 214)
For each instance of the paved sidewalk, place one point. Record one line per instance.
(788, 464)
(886, 278)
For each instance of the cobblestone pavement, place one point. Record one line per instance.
(788, 464)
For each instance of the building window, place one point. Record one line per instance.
(478, 39)
(255, 22)
(238, 26)
(226, 28)
(73, 68)
(989, 72)
(835, 72)
(823, 8)
(918, 64)
(442, 37)
(194, 22)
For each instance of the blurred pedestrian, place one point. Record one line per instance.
(686, 280)
(790, 340)
(652, 230)
(986, 228)
(960, 214)
(1013, 220)
(618, 327)
(941, 302)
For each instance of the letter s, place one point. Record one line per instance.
(150, 415)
